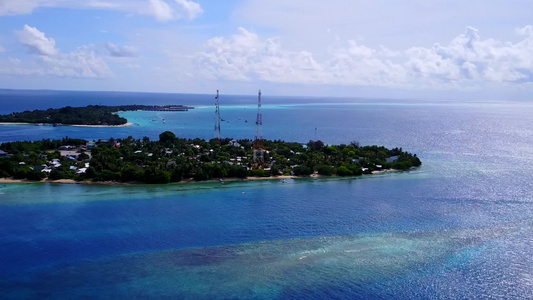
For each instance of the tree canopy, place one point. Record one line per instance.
(172, 159)
(89, 115)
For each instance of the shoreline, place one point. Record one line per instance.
(72, 125)
(97, 126)
(185, 181)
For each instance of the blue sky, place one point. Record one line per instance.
(395, 49)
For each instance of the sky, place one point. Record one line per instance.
(441, 49)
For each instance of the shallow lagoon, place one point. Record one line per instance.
(458, 227)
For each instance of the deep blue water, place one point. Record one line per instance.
(459, 227)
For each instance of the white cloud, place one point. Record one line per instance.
(49, 61)
(36, 40)
(245, 56)
(15, 7)
(81, 62)
(121, 51)
(399, 24)
(21, 7)
(470, 57)
(525, 31)
(468, 60)
(355, 64)
(13, 66)
(190, 8)
(178, 9)
(161, 10)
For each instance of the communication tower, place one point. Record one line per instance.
(217, 119)
(259, 150)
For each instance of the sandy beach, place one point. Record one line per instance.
(123, 125)
(10, 180)
(18, 123)
(315, 175)
(48, 124)
(63, 181)
(184, 181)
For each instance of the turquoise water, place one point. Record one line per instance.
(459, 227)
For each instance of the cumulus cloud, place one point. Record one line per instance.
(13, 66)
(160, 10)
(177, 9)
(468, 59)
(190, 8)
(36, 41)
(356, 64)
(121, 51)
(245, 56)
(82, 62)
(525, 31)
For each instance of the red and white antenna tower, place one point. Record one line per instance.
(258, 142)
(217, 118)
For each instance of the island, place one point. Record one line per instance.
(98, 115)
(173, 159)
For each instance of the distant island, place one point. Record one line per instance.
(89, 115)
(173, 159)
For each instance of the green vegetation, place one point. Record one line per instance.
(173, 159)
(89, 115)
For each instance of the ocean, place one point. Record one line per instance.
(459, 227)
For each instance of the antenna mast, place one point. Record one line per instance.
(217, 118)
(258, 142)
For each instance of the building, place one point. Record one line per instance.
(4, 154)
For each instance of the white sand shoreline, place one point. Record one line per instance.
(185, 181)
(123, 125)
(49, 124)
